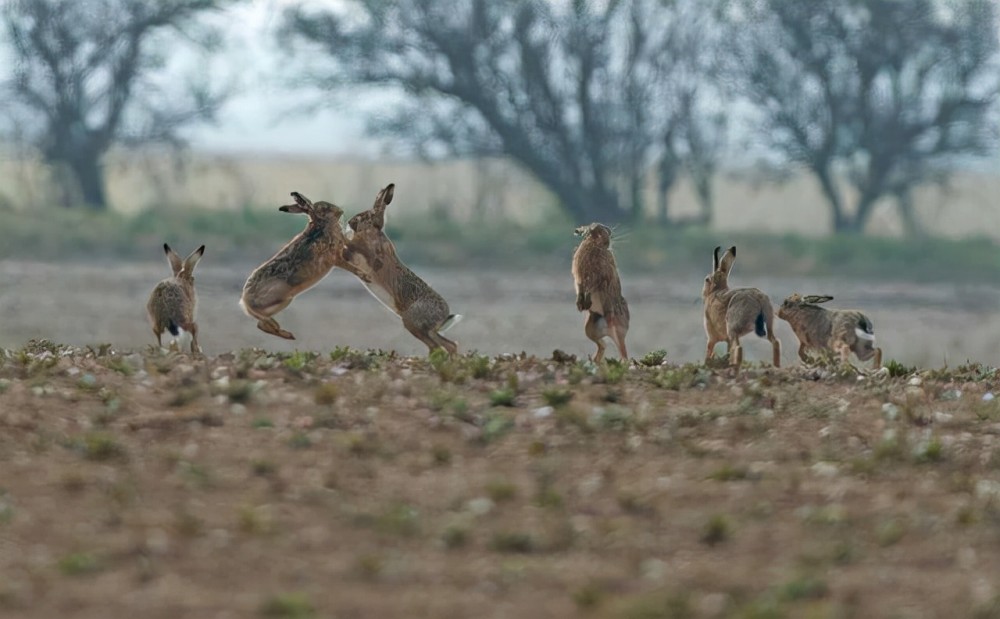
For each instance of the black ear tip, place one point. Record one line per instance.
(733, 250)
(166, 248)
(283, 209)
(201, 250)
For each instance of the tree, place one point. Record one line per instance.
(584, 95)
(83, 79)
(884, 94)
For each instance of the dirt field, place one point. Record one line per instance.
(352, 485)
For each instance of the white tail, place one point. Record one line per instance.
(453, 320)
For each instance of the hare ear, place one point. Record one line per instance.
(385, 196)
(715, 259)
(175, 261)
(817, 298)
(193, 258)
(728, 259)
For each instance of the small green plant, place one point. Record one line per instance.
(79, 564)
(932, 451)
(716, 531)
(728, 472)
(262, 422)
(255, 520)
(400, 519)
(102, 447)
(805, 587)
(119, 365)
(589, 596)
(890, 532)
(501, 490)
(455, 536)
(326, 394)
(288, 606)
(441, 455)
(502, 397)
(479, 366)
(556, 397)
(497, 425)
(299, 361)
(513, 542)
(614, 371)
(654, 358)
(300, 440)
(897, 369)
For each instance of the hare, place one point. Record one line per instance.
(424, 312)
(842, 331)
(599, 290)
(171, 306)
(297, 266)
(732, 313)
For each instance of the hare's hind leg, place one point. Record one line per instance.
(596, 328)
(618, 335)
(735, 353)
(424, 335)
(877, 364)
(195, 348)
(449, 345)
(264, 314)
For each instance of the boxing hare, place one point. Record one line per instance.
(732, 313)
(172, 304)
(424, 312)
(599, 290)
(842, 331)
(297, 266)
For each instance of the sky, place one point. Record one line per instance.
(266, 116)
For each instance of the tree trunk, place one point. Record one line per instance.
(840, 223)
(87, 173)
(911, 223)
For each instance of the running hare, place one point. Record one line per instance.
(424, 312)
(842, 331)
(732, 313)
(599, 290)
(297, 266)
(172, 304)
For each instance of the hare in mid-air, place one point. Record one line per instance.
(842, 331)
(424, 312)
(172, 304)
(599, 290)
(732, 313)
(297, 266)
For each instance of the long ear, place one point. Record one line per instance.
(817, 298)
(193, 258)
(175, 261)
(728, 259)
(302, 205)
(715, 259)
(382, 200)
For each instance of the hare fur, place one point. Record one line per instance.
(599, 289)
(298, 266)
(842, 331)
(732, 313)
(172, 304)
(424, 312)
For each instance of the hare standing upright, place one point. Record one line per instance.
(842, 331)
(171, 306)
(599, 290)
(297, 266)
(732, 313)
(424, 312)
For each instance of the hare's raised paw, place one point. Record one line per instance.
(286, 334)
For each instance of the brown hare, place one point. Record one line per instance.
(424, 312)
(297, 266)
(599, 290)
(172, 304)
(732, 313)
(842, 331)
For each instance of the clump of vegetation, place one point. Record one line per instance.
(299, 361)
(653, 359)
(556, 397)
(496, 425)
(897, 369)
(455, 536)
(79, 564)
(288, 606)
(890, 532)
(400, 519)
(513, 542)
(931, 451)
(102, 447)
(716, 531)
(503, 397)
(501, 490)
(613, 371)
(728, 472)
(684, 377)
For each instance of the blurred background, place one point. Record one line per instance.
(847, 147)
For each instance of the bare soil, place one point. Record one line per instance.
(137, 482)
